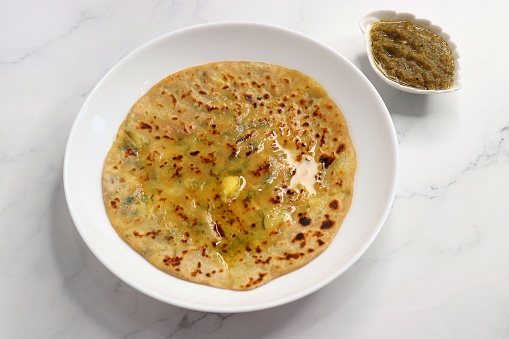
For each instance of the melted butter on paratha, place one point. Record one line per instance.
(231, 174)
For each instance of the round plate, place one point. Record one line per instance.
(107, 105)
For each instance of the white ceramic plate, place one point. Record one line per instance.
(107, 105)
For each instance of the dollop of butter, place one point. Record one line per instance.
(306, 170)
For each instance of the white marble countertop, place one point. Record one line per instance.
(439, 268)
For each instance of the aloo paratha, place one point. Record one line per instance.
(231, 174)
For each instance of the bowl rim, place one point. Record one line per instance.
(369, 19)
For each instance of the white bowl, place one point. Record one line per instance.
(373, 17)
(107, 105)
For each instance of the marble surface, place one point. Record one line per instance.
(439, 268)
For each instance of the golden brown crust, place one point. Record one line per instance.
(231, 174)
